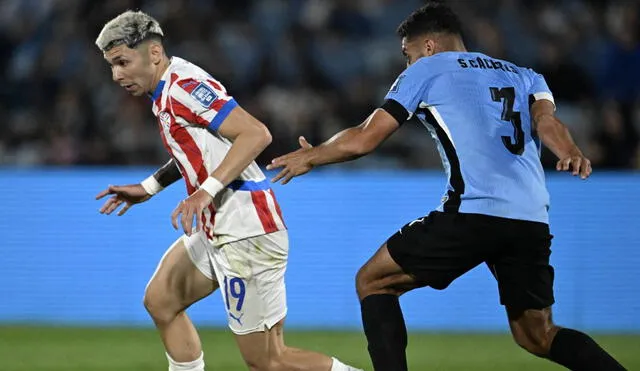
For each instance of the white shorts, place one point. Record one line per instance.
(250, 273)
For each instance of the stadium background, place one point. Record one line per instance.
(71, 280)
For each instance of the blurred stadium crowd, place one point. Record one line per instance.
(305, 67)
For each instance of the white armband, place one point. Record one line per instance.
(212, 186)
(151, 185)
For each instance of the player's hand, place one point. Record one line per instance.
(293, 164)
(128, 195)
(577, 164)
(191, 207)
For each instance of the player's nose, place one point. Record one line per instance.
(116, 75)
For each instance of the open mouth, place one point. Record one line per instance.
(129, 87)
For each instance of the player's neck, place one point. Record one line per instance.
(162, 68)
(451, 44)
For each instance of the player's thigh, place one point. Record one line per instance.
(521, 267)
(251, 276)
(184, 275)
(439, 248)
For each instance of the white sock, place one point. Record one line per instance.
(339, 366)
(197, 365)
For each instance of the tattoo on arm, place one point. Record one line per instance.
(168, 173)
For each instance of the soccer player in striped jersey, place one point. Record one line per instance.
(240, 243)
(488, 118)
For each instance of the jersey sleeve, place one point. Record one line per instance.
(407, 91)
(201, 102)
(539, 89)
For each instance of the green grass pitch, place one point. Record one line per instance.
(93, 349)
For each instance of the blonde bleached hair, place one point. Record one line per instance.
(129, 28)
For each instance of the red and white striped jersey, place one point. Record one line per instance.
(190, 106)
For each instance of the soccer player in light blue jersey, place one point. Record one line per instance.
(489, 118)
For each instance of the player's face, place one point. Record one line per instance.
(131, 68)
(414, 49)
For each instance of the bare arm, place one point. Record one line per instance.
(249, 136)
(346, 145)
(555, 135)
(356, 141)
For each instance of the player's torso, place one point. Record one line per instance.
(477, 109)
(247, 207)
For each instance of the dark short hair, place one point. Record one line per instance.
(434, 17)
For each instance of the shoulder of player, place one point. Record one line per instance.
(188, 82)
(188, 87)
(523, 69)
(187, 76)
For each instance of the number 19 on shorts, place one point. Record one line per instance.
(234, 291)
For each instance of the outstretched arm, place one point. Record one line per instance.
(400, 104)
(346, 145)
(132, 194)
(555, 135)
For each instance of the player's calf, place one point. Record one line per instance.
(535, 331)
(266, 351)
(379, 283)
(179, 281)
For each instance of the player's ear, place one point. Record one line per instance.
(155, 53)
(429, 47)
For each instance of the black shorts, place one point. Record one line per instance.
(441, 247)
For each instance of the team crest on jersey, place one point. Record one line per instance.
(204, 95)
(165, 118)
(396, 84)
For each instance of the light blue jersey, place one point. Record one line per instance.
(477, 110)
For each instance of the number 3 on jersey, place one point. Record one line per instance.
(508, 96)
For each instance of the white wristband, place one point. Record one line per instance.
(151, 185)
(212, 186)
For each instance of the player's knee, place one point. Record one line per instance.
(363, 284)
(161, 309)
(368, 283)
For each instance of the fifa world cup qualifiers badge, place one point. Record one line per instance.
(204, 95)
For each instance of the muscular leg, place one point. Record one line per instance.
(379, 283)
(535, 331)
(177, 284)
(266, 351)
(525, 281)
(253, 288)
